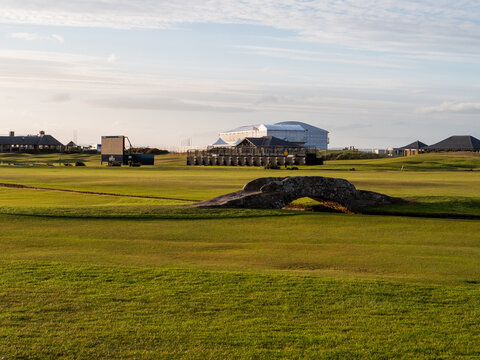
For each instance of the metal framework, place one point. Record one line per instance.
(253, 156)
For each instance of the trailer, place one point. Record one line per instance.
(115, 153)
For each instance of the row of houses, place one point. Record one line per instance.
(291, 135)
(29, 142)
(38, 142)
(452, 143)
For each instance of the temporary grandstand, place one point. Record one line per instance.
(253, 151)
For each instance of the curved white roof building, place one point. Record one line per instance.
(315, 136)
(293, 131)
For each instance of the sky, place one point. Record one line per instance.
(375, 74)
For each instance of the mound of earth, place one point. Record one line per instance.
(277, 192)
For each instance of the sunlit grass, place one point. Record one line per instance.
(58, 310)
(104, 277)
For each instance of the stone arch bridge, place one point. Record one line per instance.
(277, 192)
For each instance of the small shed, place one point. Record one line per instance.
(71, 146)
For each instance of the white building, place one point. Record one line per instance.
(315, 136)
(293, 131)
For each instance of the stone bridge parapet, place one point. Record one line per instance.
(277, 192)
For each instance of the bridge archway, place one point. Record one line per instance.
(278, 192)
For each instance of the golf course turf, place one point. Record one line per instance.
(102, 277)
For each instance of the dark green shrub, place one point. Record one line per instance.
(351, 155)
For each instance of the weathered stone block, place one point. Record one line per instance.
(277, 192)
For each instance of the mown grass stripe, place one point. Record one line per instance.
(20, 186)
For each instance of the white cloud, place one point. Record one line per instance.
(451, 107)
(54, 71)
(47, 56)
(165, 104)
(422, 27)
(33, 37)
(63, 73)
(112, 59)
(62, 97)
(267, 99)
(326, 57)
(59, 38)
(25, 36)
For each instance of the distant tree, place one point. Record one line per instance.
(351, 155)
(148, 150)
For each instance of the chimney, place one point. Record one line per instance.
(12, 133)
(41, 133)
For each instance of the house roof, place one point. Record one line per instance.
(457, 142)
(266, 141)
(30, 140)
(415, 145)
(71, 144)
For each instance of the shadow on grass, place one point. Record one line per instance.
(439, 207)
(434, 207)
(163, 213)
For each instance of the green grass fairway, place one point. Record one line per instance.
(87, 276)
(94, 312)
(434, 191)
(423, 162)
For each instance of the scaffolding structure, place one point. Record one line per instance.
(253, 156)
